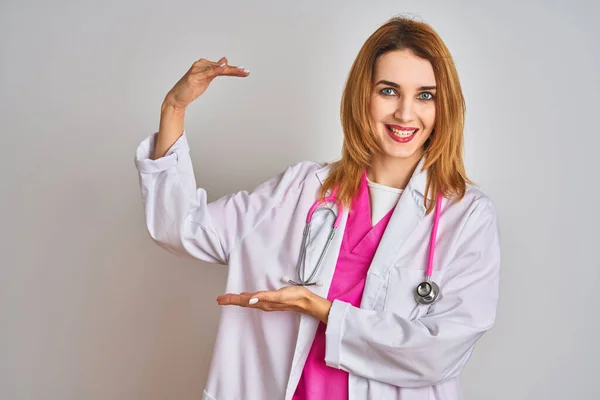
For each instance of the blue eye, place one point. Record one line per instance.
(386, 94)
(427, 93)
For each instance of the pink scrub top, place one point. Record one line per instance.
(360, 241)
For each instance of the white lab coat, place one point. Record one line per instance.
(392, 347)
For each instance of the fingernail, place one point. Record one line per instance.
(222, 65)
(246, 70)
(253, 300)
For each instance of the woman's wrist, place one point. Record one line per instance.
(319, 307)
(169, 107)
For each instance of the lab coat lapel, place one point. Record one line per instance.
(409, 211)
(308, 324)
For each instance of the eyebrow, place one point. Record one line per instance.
(389, 83)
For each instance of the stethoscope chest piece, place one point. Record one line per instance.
(427, 292)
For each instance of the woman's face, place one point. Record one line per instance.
(402, 104)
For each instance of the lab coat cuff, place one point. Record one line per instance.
(143, 155)
(334, 332)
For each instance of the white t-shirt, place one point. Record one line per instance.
(383, 199)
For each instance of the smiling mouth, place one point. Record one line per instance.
(403, 135)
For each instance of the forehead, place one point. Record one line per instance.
(405, 69)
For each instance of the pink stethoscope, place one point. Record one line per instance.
(425, 293)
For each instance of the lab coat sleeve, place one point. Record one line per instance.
(178, 216)
(383, 346)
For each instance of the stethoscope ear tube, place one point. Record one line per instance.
(300, 266)
(302, 258)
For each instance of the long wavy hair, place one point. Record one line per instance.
(443, 150)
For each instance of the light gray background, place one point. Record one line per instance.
(91, 308)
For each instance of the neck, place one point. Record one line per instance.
(392, 171)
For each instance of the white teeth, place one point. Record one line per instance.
(400, 133)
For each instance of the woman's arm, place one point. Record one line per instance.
(170, 128)
(177, 214)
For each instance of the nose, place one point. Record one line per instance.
(405, 109)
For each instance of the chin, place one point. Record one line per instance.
(402, 152)
(403, 156)
(412, 150)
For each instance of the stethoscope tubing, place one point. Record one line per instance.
(425, 293)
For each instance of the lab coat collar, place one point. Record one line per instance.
(415, 187)
(418, 180)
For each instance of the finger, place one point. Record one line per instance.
(226, 70)
(231, 70)
(219, 67)
(203, 62)
(271, 299)
(212, 71)
(271, 307)
(207, 68)
(245, 298)
(204, 66)
(271, 296)
(233, 299)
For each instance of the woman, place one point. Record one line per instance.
(366, 332)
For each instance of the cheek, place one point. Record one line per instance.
(428, 117)
(380, 109)
(374, 109)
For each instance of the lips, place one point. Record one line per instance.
(402, 128)
(401, 134)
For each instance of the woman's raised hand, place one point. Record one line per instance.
(189, 88)
(196, 81)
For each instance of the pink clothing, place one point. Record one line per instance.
(360, 241)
